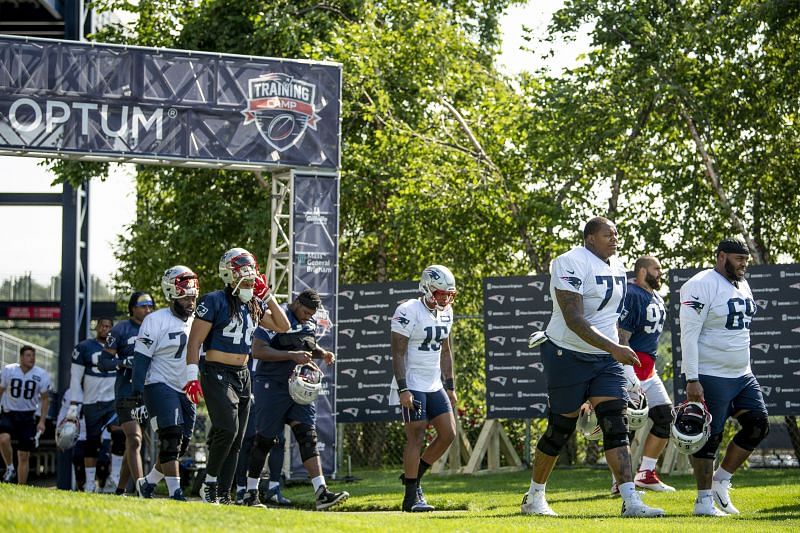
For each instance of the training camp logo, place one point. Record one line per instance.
(282, 108)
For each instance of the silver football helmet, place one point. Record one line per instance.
(305, 383)
(587, 424)
(691, 427)
(67, 433)
(179, 281)
(637, 410)
(438, 285)
(236, 265)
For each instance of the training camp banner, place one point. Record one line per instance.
(365, 355)
(513, 308)
(315, 238)
(103, 102)
(774, 334)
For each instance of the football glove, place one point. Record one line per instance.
(261, 287)
(536, 338)
(193, 390)
(126, 362)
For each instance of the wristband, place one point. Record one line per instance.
(692, 380)
(450, 384)
(402, 385)
(191, 372)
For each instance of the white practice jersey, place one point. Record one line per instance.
(162, 337)
(23, 391)
(715, 323)
(603, 287)
(426, 332)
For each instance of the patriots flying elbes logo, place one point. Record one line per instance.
(694, 304)
(282, 108)
(572, 280)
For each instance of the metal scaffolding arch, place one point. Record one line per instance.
(280, 245)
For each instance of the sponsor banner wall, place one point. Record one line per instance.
(774, 333)
(365, 358)
(315, 240)
(513, 308)
(119, 103)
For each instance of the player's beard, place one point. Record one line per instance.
(730, 270)
(652, 281)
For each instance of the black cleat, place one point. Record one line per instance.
(326, 498)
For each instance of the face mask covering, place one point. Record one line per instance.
(245, 295)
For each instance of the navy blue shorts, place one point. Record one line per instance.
(21, 426)
(726, 396)
(274, 407)
(168, 407)
(573, 377)
(428, 405)
(97, 416)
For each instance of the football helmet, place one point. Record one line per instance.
(691, 427)
(438, 285)
(179, 281)
(237, 264)
(67, 433)
(305, 383)
(637, 410)
(587, 425)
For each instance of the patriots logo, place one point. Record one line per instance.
(433, 274)
(201, 310)
(403, 321)
(352, 411)
(572, 280)
(146, 341)
(697, 306)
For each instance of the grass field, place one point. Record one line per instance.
(769, 501)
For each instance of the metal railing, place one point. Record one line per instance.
(9, 353)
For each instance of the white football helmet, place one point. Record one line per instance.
(237, 264)
(179, 281)
(67, 434)
(438, 285)
(587, 425)
(637, 410)
(691, 427)
(305, 383)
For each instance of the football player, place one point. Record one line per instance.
(640, 326)
(119, 356)
(93, 388)
(717, 309)
(583, 359)
(159, 378)
(24, 392)
(279, 355)
(224, 326)
(421, 355)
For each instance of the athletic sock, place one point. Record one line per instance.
(703, 494)
(173, 484)
(90, 481)
(211, 479)
(627, 490)
(721, 475)
(423, 467)
(318, 482)
(252, 483)
(411, 488)
(536, 487)
(275, 484)
(648, 463)
(154, 477)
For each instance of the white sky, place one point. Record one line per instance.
(31, 236)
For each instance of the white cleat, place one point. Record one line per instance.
(721, 496)
(648, 479)
(635, 508)
(536, 504)
(705, 507)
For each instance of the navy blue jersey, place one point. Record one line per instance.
(88, 382)
(301, 336)
(226, 335)
(643, 316)
(122, 338)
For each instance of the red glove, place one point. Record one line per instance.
(261, 287)
(193, 391)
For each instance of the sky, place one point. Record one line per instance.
(31, 236)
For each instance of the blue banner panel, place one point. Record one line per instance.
(122, 103)
(315, 239)
(774, 334)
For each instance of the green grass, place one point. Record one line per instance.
(768, 499)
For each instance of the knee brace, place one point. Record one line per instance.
(662, 420)
(117, 442)
(709, 449)
(755, 426)
(306, 437)
(169, 444)
(258, 454)
(613, 420)
(184, 445)
(91, 447)
(559, 430)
